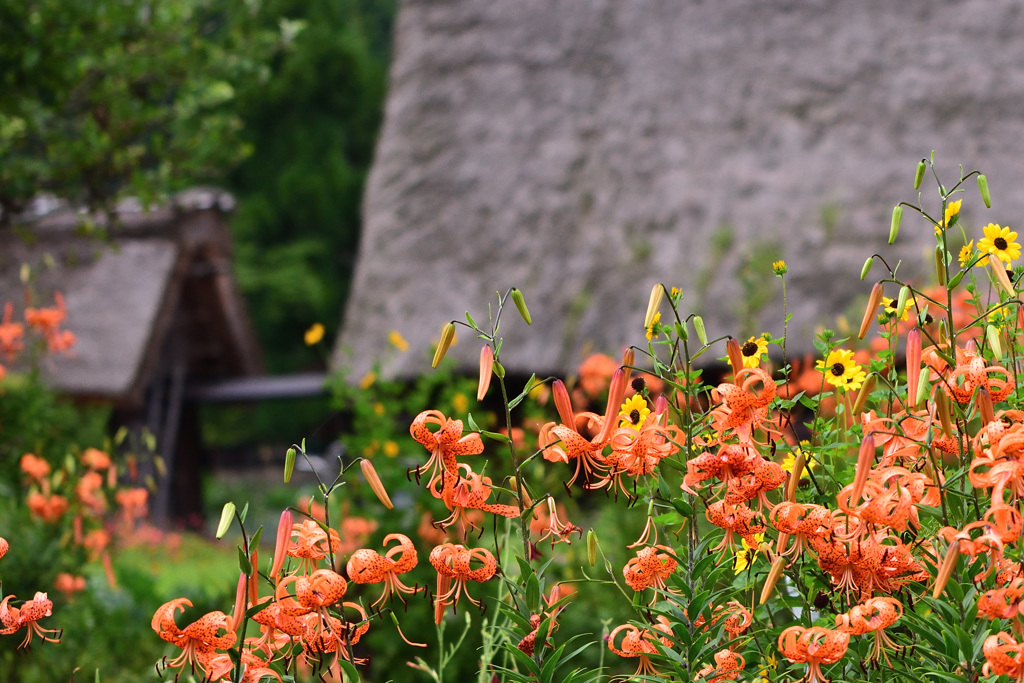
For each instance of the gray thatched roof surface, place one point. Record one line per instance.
(126, 295)
(585, 149)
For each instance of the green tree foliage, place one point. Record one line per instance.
(103, 98)
(312, 127)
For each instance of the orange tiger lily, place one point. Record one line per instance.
(639, 643)
(874, 616)
(469, 493)
(1004, 656)
(369, 566)
(649, 569)
(454, 568)
(199, 641)
(27, 616)
(445, 444)
(813, 646)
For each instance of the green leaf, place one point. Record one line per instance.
(254, 542)
(244, 565)
(472, 323)
(349, 671)
(473, 426)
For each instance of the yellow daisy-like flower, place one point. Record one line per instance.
(634, 411)
(314, 334)
(1000, 241)
(841, 371)
(780, 268)
(655, 327)
(746, 555)
(952, 214)
(790, 459)
(390, 449)
(398, 341)
(460, 403)
(966, 254)
(753, 350)
(770, 664)
(675, 293)
(889, 307)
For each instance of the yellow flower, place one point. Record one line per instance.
(753, 350)
(770, 664)
(889, 307)
(367, 380)
(314, 334)
(952, 214)
(966, 254)
(398, 341)
(390, 449)
(1001, 242)
(675, 293)
(790, 459)
(655, 327)
(746, 555)
(780, 268)
(460, 403)
(378, 409)
(841, 371)
(634, 411)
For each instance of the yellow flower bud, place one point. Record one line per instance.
(657, 292)
(992, 334)
(447, 336)
(227, 513)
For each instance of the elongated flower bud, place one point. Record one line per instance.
(628, 357)
(865, 459)
(919, 174)
(521, 493)
(616, 394)
(238, 614)
(901, 302)
(773, 577)
(986, 409)
(866, 268)
(562, 404)
(486, 370)
(874, 299)
(227, 514)
(289, 464)
(592, 547)
(992, 335)
(732, 349)
(942, 408)
(794, 477)
(698, 324)
(983, 188)
(520, 302)
(913, 365)
(253, 584)
(284, 535)
(657, 293)
(894, 225)
(946, 570)
(999, 273)
(862, 395)
(660, 405)
(447, 336)
(370, 473)
(940, 265)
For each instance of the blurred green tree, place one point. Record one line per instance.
(105, 98)
(312, 125)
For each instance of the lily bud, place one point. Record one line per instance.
(628, 357)
(486, 368)
(919, 174)
(1000, 276)
(862, 395)
(940, 265)
(901, 302)
(866, 268)
(520, 302)
(794, 477)
(773, 577)
(370, 473)
(227, 514)
(562, 404)
(592, 547)
(660, 405)
(894, 226)
(616, 394)
(985, 407)
(992, 334)
(942, 408)
(524, 495)
(874, 299)
(657, 293)
(913, 365)
(447, 336)
(865, 459)
(732, 349)
(983, 188)
(254, 579)
(238, 614)
(284, 535)
(289, 464)
(946, 570)
(698, 324)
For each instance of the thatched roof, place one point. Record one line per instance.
(160, 282)
(585, 149)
